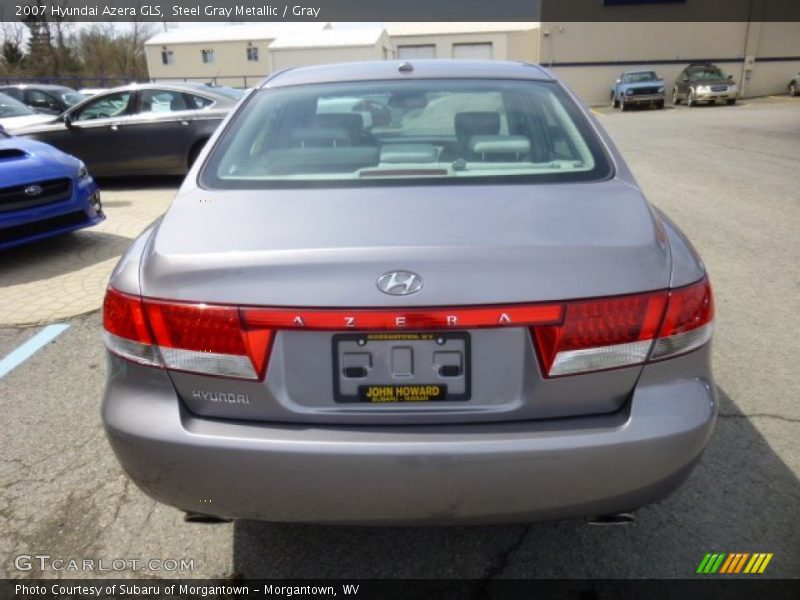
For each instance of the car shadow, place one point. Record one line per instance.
(59, 255)
(741, 498)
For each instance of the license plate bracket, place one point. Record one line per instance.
(401, 367)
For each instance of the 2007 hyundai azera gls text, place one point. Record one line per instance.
(425, 292)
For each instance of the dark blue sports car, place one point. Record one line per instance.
(43, 192)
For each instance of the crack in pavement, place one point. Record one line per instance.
(500, 562)
(758, 416)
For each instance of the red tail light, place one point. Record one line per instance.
(689, 320)
(571, 337)
(624, 330)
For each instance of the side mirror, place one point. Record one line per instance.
(67, 121)
(619, 80)
(730, 77)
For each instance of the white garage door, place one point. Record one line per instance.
(409, 52)
(473, 51)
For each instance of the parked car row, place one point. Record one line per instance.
(697, 83)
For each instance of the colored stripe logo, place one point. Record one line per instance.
(734, 563)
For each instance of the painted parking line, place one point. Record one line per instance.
(29, 348)
(598, 113)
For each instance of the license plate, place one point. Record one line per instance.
(401, 367)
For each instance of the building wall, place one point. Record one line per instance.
(230, 62)
(590, 56)
(520, 45)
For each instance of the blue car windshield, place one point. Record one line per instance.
(640, 77)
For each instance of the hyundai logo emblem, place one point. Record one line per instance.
(400, 283)
(33, 190)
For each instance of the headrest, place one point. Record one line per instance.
(468, 124)
(408, 153)
(316, 137)
(500, 144)
(352, 122)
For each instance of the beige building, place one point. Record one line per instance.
(588, 56)
(235, 55)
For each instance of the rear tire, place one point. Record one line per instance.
(675, 99)
(793, 91)
(690, 101)
(731, 101)
(660, 104)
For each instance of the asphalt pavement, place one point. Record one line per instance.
(727, 175)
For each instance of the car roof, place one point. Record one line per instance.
(37, 86)
(412, 69)
(638, 71)
(179, 86)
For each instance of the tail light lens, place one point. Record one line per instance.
(572, 337)
(689, 321)
(198, 338)
(626, 330)
(601, 334)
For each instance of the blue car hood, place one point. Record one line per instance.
(36, 162)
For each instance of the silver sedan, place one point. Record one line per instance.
(461, 309)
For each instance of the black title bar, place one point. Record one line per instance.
(402, 10)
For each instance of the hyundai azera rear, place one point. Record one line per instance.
(446, 300)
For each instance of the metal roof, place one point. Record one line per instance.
(232, 33)
(329, 38)
(422, 69)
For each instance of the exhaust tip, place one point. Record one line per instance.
(617, 519)
(192, 517)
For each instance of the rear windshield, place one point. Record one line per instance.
(429, 131)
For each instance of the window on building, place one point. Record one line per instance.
(411, 52)
(167, 57)
(252, 53)
(208, 56)
(473, 51)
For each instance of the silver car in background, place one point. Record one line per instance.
(463, 311)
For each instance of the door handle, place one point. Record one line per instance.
(185, 123)
(114, 127)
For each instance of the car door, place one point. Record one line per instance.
(161, 131)
(91, 131)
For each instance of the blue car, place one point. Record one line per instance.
(43, 192)
(637, 88)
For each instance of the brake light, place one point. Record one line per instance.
(601, 334)
(203, 338)
(126, 332)
(689, 321)
(627, 330)
(198, 338)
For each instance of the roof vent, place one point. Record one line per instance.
(405, 67)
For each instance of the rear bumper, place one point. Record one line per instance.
(501, 472)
